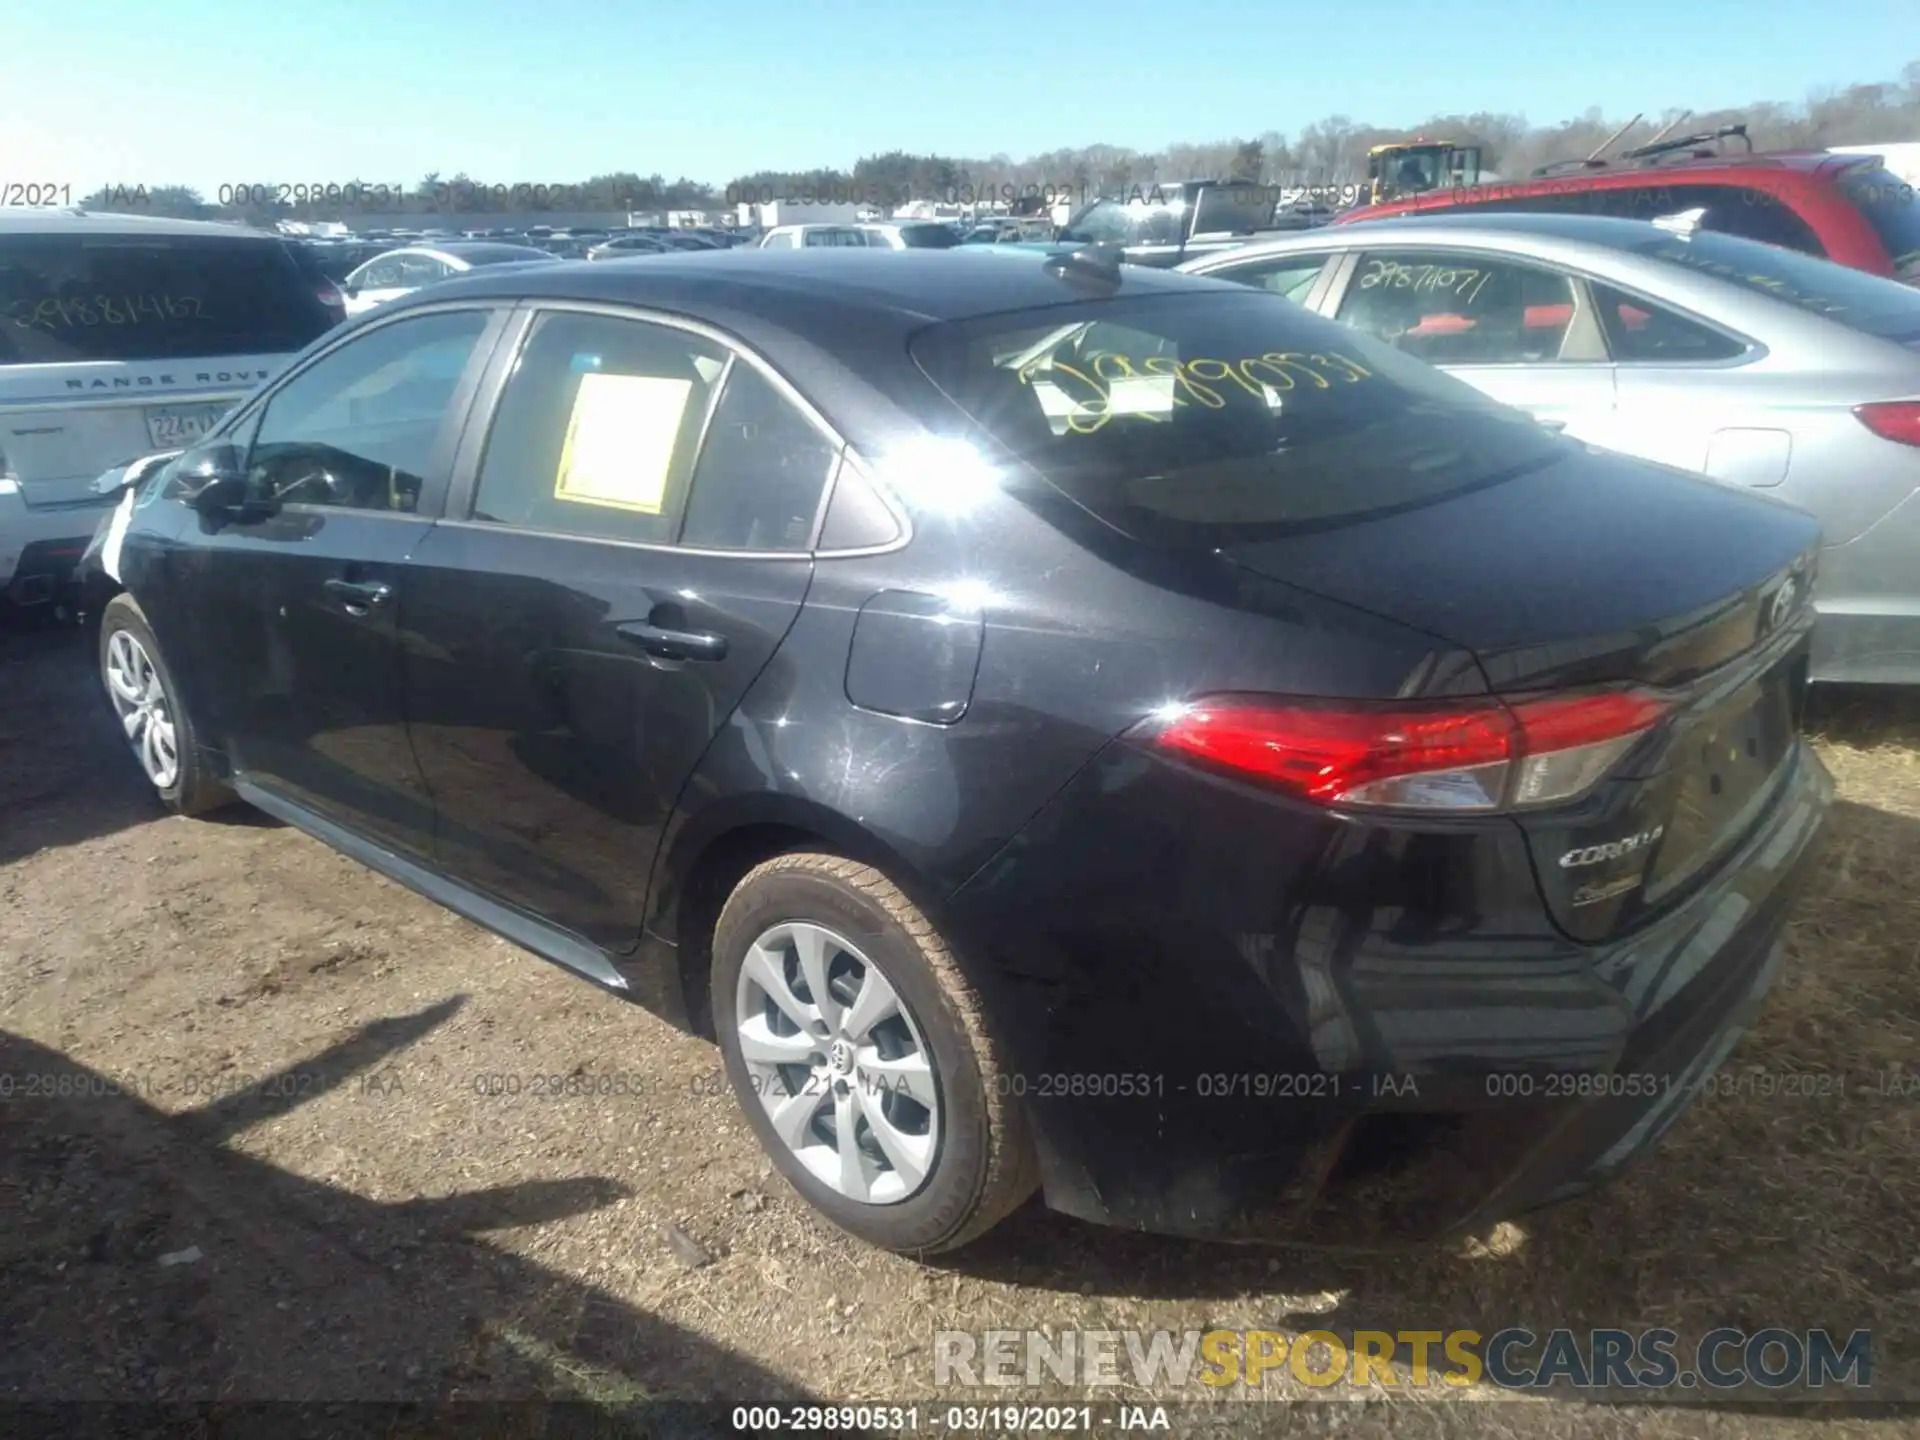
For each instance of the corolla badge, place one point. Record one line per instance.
(1612, 850)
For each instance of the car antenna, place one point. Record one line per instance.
(1099, 262)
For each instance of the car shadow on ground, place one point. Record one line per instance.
(1788, 1195)
(66, 773)
(148, 1259)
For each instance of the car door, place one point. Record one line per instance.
(292, 605)
(629, 543)
(1521, 332)
(1676, 404)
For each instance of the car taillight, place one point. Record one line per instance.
(330, 294)
(1475, 755)
(1895, 420)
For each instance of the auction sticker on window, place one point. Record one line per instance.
(620, 440)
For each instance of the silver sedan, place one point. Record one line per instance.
(1755, 365)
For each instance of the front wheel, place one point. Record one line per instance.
(861, 1056)
(147, 705)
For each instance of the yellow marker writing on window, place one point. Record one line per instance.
(620, 440)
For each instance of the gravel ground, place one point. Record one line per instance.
(304, 1189)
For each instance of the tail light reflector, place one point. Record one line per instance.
(1895, 420)
(1478, 755)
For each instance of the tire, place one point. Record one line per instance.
(126, 640)
(977, 1156)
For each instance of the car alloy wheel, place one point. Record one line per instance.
(860, 1053)
(839, 1063)
(146, 703)
(140, 700)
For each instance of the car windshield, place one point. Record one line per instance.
(1870, 304)
(1205, 418)
(1887, 201)
(67, 298)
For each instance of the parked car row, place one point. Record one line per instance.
(1035, 711)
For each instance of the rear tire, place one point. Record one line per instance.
(940, 1151)
(146, 707)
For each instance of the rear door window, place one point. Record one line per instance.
(595, 434)
(1638, 330)
(1203, 418)
(69, 297)
(1459, 309)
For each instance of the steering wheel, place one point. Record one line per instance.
(324, 485)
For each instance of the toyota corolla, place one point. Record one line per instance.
(1056, 725)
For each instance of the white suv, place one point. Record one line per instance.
(121, 335)
(871, 234)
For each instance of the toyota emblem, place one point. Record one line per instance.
(1781, 609)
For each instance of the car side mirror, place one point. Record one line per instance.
(215, 479)
(350, 290)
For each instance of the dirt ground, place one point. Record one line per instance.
(303, 1053)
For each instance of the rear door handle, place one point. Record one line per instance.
(674, 644)
(358, 597)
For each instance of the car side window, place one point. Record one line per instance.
(384, 274)
(596, 430)
(411, 270)
(1288, 276)
(778, 240)
(1457, 309)
(358, 428)
(1639, 330)
(761, 471)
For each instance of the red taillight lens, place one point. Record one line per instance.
(1895, 420)
(1477, 755)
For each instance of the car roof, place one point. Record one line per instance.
(923, 285)
(1483, 227)
(27, 221)
(1757, 171)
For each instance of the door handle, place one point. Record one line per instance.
(359, 597)
(1554, 424)
(674, 644)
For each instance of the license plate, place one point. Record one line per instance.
(174, 427)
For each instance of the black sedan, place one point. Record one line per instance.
(1056, 725)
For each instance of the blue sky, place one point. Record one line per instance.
(202, 92)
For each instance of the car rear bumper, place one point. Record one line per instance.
(1342, 1071)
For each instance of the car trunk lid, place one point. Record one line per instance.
(1596, 572)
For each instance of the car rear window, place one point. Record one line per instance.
(505, 254)
(66, 298)
(1870, 304)
(1204, 418)
(928, 237)
(1892, 208)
